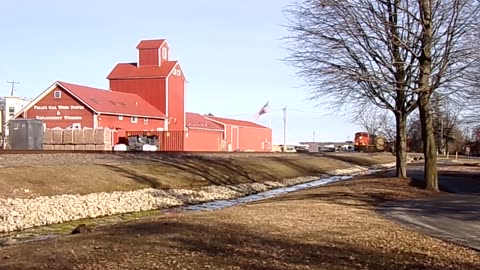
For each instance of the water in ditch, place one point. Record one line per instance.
(53, 231)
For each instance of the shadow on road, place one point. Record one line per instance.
(454, 216)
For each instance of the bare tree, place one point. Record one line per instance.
(447, 120)
(377, 122)
(354, 53)
(448, 51)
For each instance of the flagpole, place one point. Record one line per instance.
(285, 129)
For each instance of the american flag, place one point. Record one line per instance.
(265, 109)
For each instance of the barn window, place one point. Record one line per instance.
(134, 119)
(11, 111)
(120, 117)
(57, 94)
(179, 72)
(145, 121)
(164, 53)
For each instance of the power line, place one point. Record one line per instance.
(13, 86)
(302, 111)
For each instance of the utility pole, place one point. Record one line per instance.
(285, 129)
(313, 136)
(13, 86)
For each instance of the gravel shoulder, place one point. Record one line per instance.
(29, 176)
(332, 227)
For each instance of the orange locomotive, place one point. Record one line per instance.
(365, 142)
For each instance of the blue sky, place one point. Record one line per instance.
(230, 51)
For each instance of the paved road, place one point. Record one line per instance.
(453, 217)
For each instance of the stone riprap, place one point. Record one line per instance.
(19, 214)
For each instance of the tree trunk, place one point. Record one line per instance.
(429, 147)
(401, 145)
(425, 91)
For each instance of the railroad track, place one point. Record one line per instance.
(27, 152)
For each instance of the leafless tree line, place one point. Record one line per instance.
(392, 54)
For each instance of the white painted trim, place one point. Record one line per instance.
(180, 67)
(79, 99)
(35, 100)
(164, 53)
(165, 125)
(95, 120)
(173, 68)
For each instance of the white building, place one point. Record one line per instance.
(10, 106)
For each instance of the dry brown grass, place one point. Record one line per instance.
(332, 227)
(80, 175)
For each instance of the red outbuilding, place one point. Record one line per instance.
(244, 135)
(145, 97)
(203, 134)
(66, 105)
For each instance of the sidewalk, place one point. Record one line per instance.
(453, 217)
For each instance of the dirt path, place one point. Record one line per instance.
(332, 227)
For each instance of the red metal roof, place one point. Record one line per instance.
(109, 102)
(195, 120)
(234, 122)
(150, 44)
(131, 70)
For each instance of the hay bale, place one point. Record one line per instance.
(59, 147)
(48, 147)
(90, 147)
(103, 147)
(89, 136)
(69, 147)
(68, 136)
(48, 136)
(103, 136)
(78, 136)
(57, 136)
(79, 147)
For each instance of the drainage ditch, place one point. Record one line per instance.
(53, 231)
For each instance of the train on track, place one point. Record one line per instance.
(365, 142)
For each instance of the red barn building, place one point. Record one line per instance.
(147, 96)
(66, 105)
(156, 79)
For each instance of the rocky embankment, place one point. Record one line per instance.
(19, 214)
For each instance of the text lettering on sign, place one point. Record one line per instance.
(65, 117)
(59, 107)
